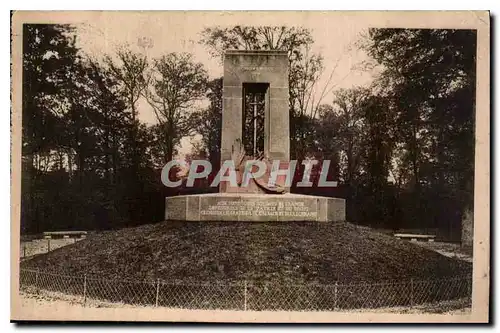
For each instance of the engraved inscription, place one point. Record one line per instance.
(256, 68)
(260, 208)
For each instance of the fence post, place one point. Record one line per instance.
(84, 289)
(411, 292)
(48, 245)
(157, 291)
(245, 291)
(335, 295)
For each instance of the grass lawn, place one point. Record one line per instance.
(288, 253)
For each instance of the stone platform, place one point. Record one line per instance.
(254, 207)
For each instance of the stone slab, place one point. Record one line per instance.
(176, 208)
(254, 208)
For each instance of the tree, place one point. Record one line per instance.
(130, 72)
(348, 106)
(376, 157)
(356, 134)
(377, 141)
(429, 78)
(88, 162)
(209, 123)
(49, 58)
(254, 38)
(177, 83)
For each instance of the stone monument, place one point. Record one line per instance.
(255, 127)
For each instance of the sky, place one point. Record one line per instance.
(100, 33)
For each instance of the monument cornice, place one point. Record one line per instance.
(256, 52)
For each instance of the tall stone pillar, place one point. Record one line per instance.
(243, 67)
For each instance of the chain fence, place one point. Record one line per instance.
(248, 295)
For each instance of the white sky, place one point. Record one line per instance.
(334, 36)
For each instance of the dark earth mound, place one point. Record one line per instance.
(273, 252)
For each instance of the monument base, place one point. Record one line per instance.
(254, 207)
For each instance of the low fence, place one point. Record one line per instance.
(251, 295)
(40, 246)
